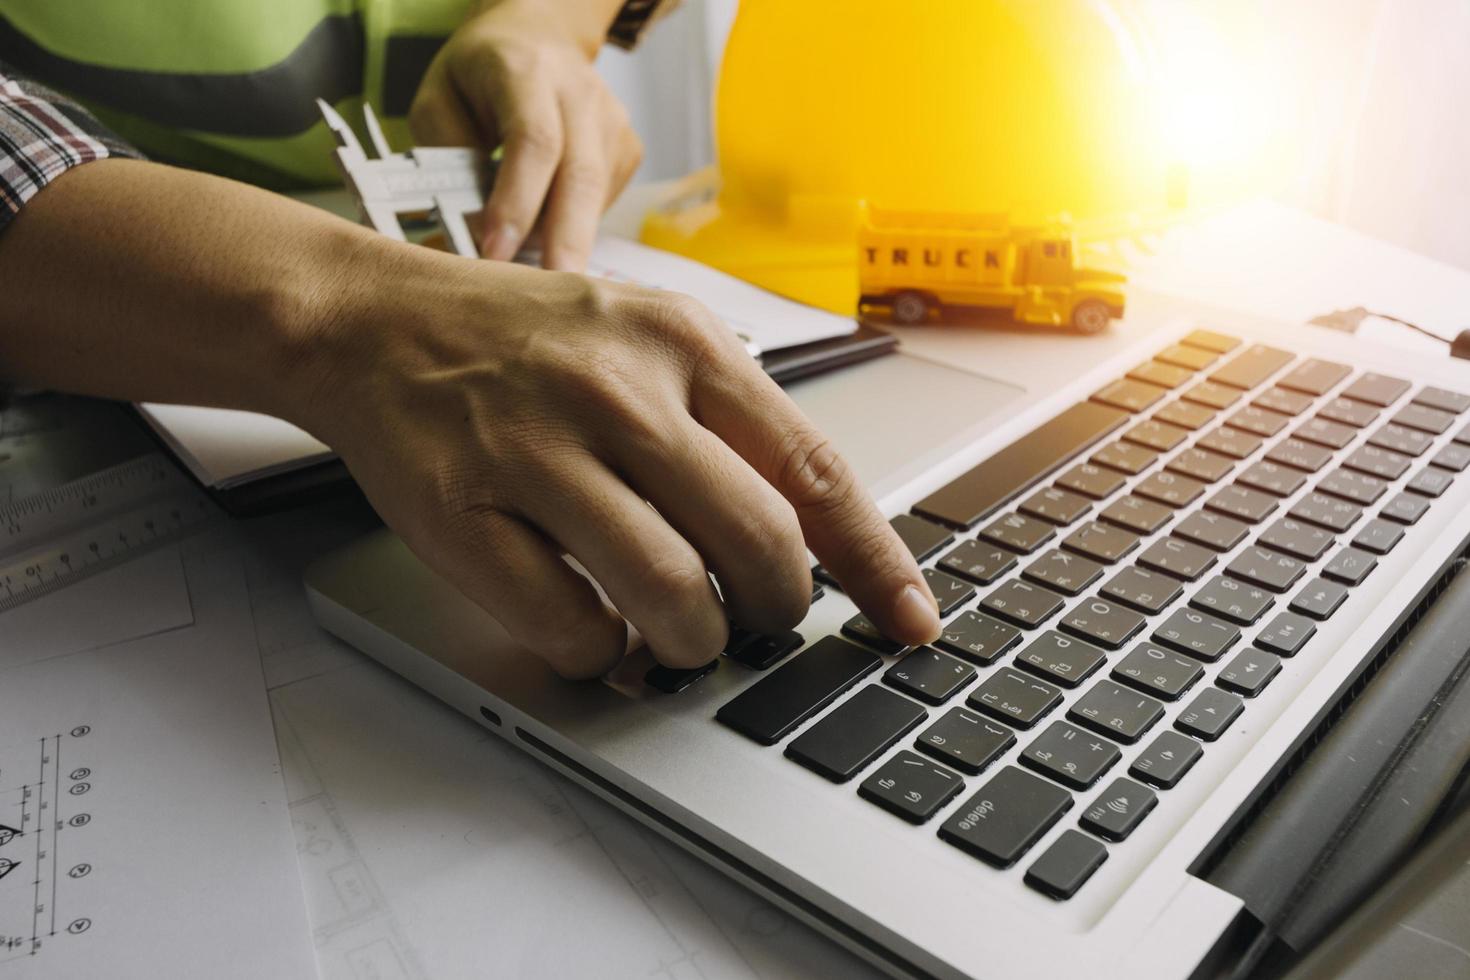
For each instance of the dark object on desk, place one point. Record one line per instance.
(1377, 783)
(328, 479)
(1348, 321)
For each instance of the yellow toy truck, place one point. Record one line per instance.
(917, 263)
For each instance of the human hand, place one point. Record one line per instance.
(520, 73)
(498, 416)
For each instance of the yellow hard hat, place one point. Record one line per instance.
(1031, 108)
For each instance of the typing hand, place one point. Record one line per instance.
(522, 414)
(521, 74)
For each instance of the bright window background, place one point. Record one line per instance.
(1385, 147)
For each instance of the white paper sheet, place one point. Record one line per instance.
(225, 448)
(145, 832)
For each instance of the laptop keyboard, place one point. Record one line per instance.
(1201, 519)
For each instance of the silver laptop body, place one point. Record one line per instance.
(898, 893)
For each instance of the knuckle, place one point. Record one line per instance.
(812, 472)
(537, 138)
(678, 585)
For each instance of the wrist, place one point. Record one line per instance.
(584, 22)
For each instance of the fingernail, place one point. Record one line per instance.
(916, 615)
(501, 243)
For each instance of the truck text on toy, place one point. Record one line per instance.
(916, 263)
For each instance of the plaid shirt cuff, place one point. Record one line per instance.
(43, 135)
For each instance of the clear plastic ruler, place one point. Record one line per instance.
(67, 533)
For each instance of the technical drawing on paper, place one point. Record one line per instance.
(46, 807)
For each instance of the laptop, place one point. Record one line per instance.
(1157, 579)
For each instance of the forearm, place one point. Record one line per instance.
(138, 281)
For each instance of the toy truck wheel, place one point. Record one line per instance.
(910, 307)
(1090, 316)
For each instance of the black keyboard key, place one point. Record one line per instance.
(1297, 539)
(1201, 464)
(1379, 536)
(1092, 481)
(1266, 568)
(1145, 591)
(1231, 442)
(1170, 488)
(1196, 633)
(1161, 373)
(978, 561)
(1186, 415)
(1349, 412)
(1215, 531)
(1212, 394)
(1281, 481)
(1248, 673)
(1350, 566)
(764, 652)
(1325, 432)
(1125, 457)
(1360, 488)
(964, 501)
(1158, 671)
(922, 537)
(1006, 817)
(1444, 400)
(1177, 558)
(1235, 601)
(965, 740)
(1168, 757)
(1329, 512)
(1405, 508)
(1066, 573)
(1018, 533)
(1319, 598)
(911, 787)
(1258, 421)
(1424, 418)
(1431, 482)
(1453, 457)
(1401, 440)
(772, 707)
(1021, 603)
(1194, 358)
(1069, 755)
(1302, 455)
(1209, 714)
(1377, 389)
(1119, 810)
(949, 592)
(1315, 377)
(1130, 395)
(1060, 659)
(1056, 506)
(1102, 542)
(1210, 340)
(978, 638)
(1108, 624)
(850, 736)
(1377, 461)
(861, 628)
(1137, 514)
(1116, 711)
(1278, 399)
(1156, 435)
(1014, 697)
(1286, 634)
(1066, 865)
(672, 680)
(1249, 505)
(929, 675)
(1252, 366)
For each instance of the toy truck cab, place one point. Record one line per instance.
(916, 264)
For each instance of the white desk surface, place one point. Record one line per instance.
(430, 849)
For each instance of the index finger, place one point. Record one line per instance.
(839, 520)
(532, 152)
